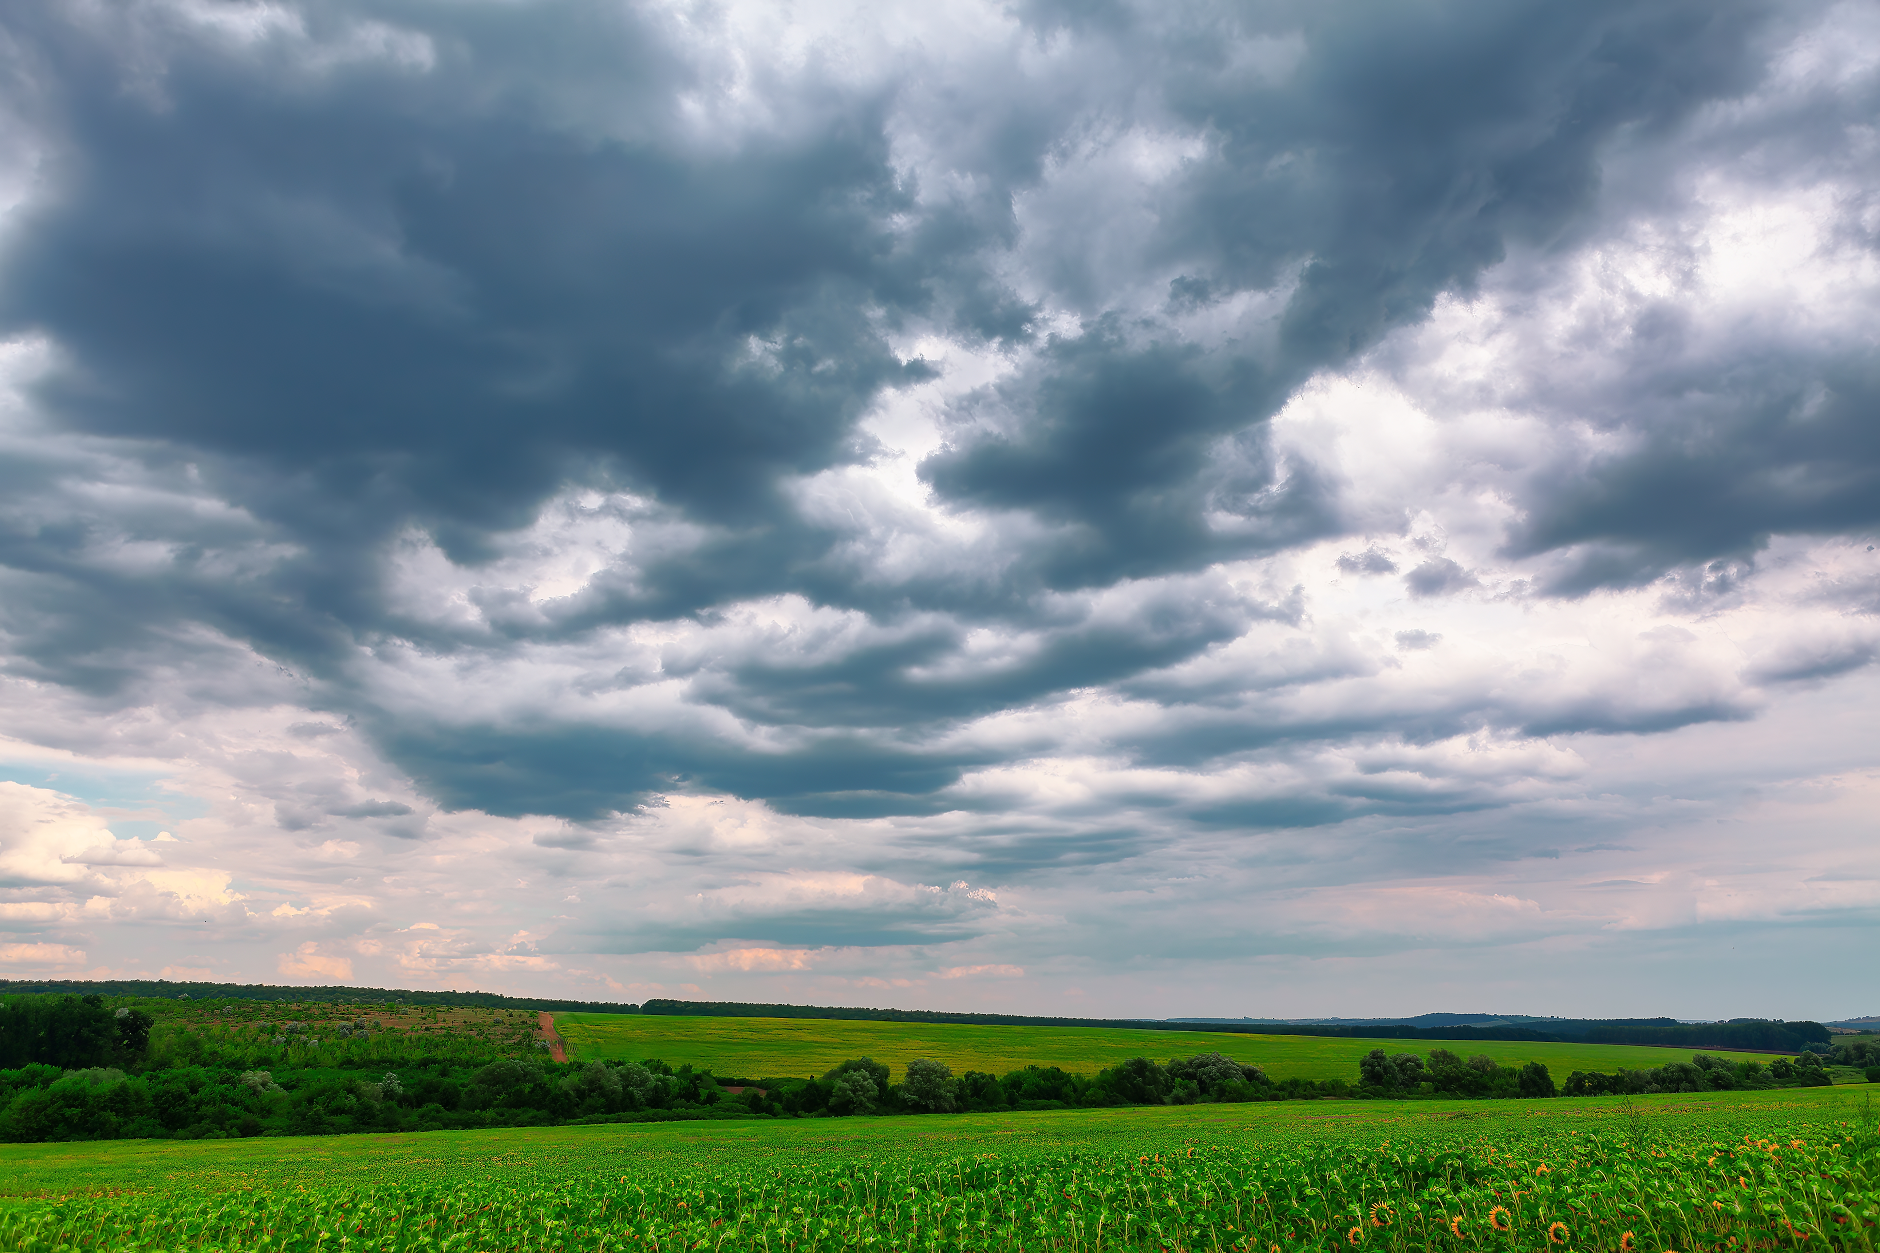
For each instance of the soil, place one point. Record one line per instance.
(557, 1047)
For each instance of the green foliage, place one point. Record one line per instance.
(41, 1103)
(929, 1087)
(1703, 1073)
(853, 1092)
(1742, 1033)
(70, 1032)
(1402, 1072)
(438, 1083)
(1710, 1176)
(1861, 1052)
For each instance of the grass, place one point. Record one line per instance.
(517, 1155)
(755, 1048)
(1794, 1168)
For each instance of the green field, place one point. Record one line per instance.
(755, 1048)
(1678, 1172)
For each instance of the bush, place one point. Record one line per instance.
(1390, 1074)
(1535, 1081)
(1216, 1075)
(929, 1086)
(977, 1090)
(1137, 1081)
(854, 1092)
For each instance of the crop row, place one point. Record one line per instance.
(1818, 1188)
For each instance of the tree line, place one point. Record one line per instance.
(41, 1101)
(164, 989)
(1706, 1074)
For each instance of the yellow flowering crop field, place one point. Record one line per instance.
(1719, 1171)
(760, 1048)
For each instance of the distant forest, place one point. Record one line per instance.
(167, 990)
(1741, 1035)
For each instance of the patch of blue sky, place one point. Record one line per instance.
(136, 803)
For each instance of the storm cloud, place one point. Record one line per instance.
(651, 497)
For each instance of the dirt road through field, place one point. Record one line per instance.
(557, 1047)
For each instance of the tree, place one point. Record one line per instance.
(637, 1085)
(1378, 1070)
(1374, 1070)
(506, 1083)
(596, 1081)
(855, 1092)
(978, 1090)
(1138, 1081)
(133, 1033)
(929, 1086)
(1535, 1081)
(1215, 1073)
(1040, 1083)
(875, 1070)
(62, 1031)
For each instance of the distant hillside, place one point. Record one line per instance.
(745, 1009)
(1741, 1034)
(1870, 1023)
(276, 992)
(1567, 1027)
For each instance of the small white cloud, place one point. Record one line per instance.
(309, 962)
(983, 972)
(41, 956)
(747, 959)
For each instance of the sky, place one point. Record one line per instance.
(1107, 509)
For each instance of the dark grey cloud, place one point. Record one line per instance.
(1439, 576)
(373, 809)
(1120, 446)
(1812, 661)
(1399, 159)
(1371, 561)
(428, 293)
(872, 914)
(1735, 445)
(413, 308)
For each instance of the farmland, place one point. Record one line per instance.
(1792, 1168)
(246, 1033)
(769, 1047)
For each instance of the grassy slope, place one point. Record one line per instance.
(546, 1154)
(773, 1047)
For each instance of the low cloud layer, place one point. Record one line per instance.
(1124, 510)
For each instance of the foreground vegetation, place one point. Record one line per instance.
(1727, 1171)
(795, 1046)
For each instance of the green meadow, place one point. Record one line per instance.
(1730, 1170)
(521, 1154)
(775, 1047)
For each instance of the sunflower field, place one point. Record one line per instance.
(1720, 1177)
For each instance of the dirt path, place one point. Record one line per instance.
(557, 1047)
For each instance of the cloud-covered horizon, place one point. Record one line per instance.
(1099, 508)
